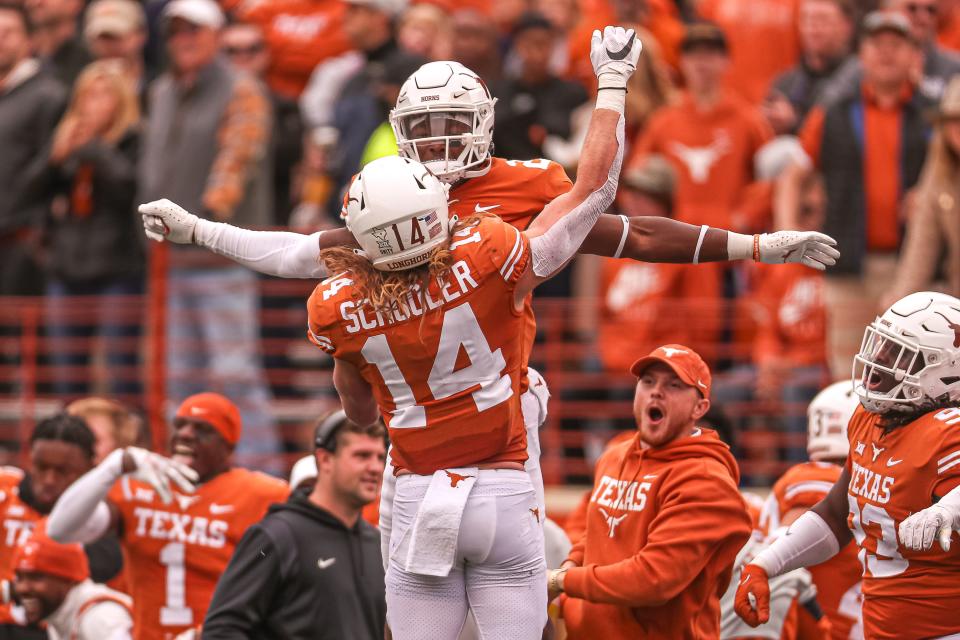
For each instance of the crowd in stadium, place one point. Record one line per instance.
(733, 204)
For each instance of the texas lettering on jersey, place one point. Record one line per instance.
(176, 552)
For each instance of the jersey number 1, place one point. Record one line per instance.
(175, 613)
(460, 329)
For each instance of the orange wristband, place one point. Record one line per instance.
(756, 247)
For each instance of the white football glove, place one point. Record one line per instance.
(166, 220)
(159, 471)
(813, 249)
(938, 521)
(614, 55)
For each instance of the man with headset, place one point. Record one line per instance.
(311, 568)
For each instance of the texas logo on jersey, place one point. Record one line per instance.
(892, 475)
(445, 367)
(175, 553)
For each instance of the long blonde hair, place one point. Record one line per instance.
(115, 73)
(388, 290)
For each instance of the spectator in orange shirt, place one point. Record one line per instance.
(665, 520)
(939, 65)
(884, 116)
(763, 41)
(710, 136)
(826, 35)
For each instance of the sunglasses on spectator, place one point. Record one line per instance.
(915, 7)
(249, 50)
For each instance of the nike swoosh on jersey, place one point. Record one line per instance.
(892, 463)
(478, 209)
(221, 508)
(324, 564)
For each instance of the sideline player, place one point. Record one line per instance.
(177, 540)
(904, 448)
(426, 327)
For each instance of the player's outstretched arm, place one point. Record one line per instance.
(284, 254)
(814, 537)
(560, 229)
(82, 514)
(659, 239)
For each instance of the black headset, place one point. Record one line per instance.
(325, 437)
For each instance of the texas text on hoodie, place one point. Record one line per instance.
(663, 529)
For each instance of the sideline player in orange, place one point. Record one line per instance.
(177, 537)
(804, 485)
(902, 469)
(427, 328)
(665, 520)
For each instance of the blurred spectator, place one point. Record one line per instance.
(710, 136)
(534, 103)
(476, 44)
(649, 88)
(57, 40)
(661, 18)
(426, 30)
(117, 29)
(938, 64)
(933, 236)
(31, 102)
(206, 147)
(789, 357)
(948, 25)
(301, 34)
(113, 425)
(768, 26)
(573, 23)
(315, 186)
(826, 37)
(245, 47)
(53, 581)
(94, 238)
(884, 117)
(386, 86)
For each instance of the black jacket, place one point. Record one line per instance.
(300, 573)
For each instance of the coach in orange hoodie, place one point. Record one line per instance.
(665, 520)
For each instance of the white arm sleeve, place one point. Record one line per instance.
(276, 253)
(80, 514)
(808, 541)
(551, 250)
(105, 621)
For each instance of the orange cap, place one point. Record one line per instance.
(43, 555)
(216, 409)
(685, 362)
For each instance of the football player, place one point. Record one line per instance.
(427, 326)
(178, 519)
(902, 468)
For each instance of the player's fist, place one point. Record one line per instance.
(614, 55)
(159, 472)
(918, 532)
(166, 220)
(752, 602)
(810, 248)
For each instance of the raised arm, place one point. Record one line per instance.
(277, 253)
(560, 229)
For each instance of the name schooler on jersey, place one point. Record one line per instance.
(447, 366)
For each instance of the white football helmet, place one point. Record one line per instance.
(827, 418)
(444, 119)
(910, 356)
(397, 211)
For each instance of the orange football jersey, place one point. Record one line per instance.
(906, 594)
(18, 521)
(837, 579)
(174, 553)
(446, 373)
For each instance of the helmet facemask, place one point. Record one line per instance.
(887, 371)
(443, 141)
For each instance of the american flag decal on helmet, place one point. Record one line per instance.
(432, 222)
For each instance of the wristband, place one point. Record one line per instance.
(696, 253)
(623, 236)
(756, 247)
(613, 100)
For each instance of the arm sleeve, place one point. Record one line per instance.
(692, 528)
(808, 541)
(81, 515)
(246, 590)
(276, 253)
(551, 250)
(105, 621)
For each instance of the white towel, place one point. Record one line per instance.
(433, 546)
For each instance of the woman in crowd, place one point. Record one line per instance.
(94, 243)
(933, 229)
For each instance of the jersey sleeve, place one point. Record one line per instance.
(503, 248)
(948, 452)
(801, 488)
(556, 182)
(322, 325)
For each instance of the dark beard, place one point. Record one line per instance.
(895, 419)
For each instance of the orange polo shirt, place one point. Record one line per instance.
(882, 128)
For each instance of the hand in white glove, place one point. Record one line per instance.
(159, 471)
(166, 220)
(813, 249)
(918, 532)
(614, 55)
